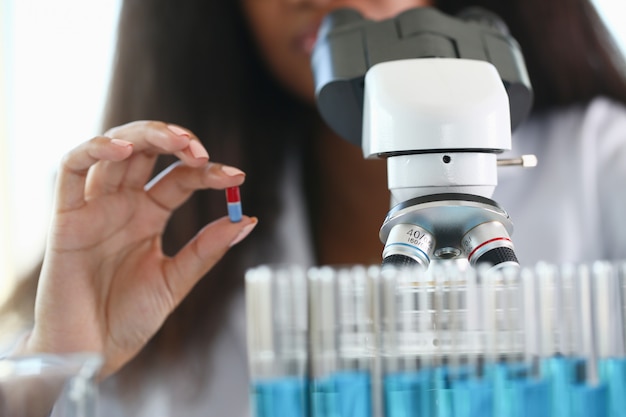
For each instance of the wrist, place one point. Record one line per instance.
(20, 346)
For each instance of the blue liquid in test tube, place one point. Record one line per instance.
(519, 394)
(613, 374)
(276, 311)
(343, 394)
(562, 373)
(279, 397)
(340, 340)
(409, 394)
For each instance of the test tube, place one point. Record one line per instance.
(446, 312)
(589, 395)
(471, 389)
(610, 324)
(341, 341)
(519, 389)
(560, 360)
(276, 309)
(406, 339)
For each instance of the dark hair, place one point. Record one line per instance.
(570, 56)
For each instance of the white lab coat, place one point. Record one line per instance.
(571, 207)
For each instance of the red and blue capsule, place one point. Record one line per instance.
(233, 199)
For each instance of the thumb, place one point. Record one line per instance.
(201, 253)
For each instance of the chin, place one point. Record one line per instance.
(302, 89)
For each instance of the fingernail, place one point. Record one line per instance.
(243, 233)
(121, 142)
(197, 150)
(179, 131)
(232, 171)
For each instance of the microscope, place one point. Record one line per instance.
(438, 97)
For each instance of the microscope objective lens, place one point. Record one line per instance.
(408, 245)
(489, 243)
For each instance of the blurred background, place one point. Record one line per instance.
(55, 65)
(55, 62)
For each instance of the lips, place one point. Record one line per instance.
(305, 41)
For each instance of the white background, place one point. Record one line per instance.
(56, 56)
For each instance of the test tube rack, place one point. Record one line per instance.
(450, 341)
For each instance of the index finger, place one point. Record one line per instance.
(150, 138)
(156, 137)
(76, 164)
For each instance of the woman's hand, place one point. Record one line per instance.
(106, 285)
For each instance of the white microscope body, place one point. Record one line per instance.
(449, 109)
(434, 118)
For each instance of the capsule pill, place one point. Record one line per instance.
(233, 200)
